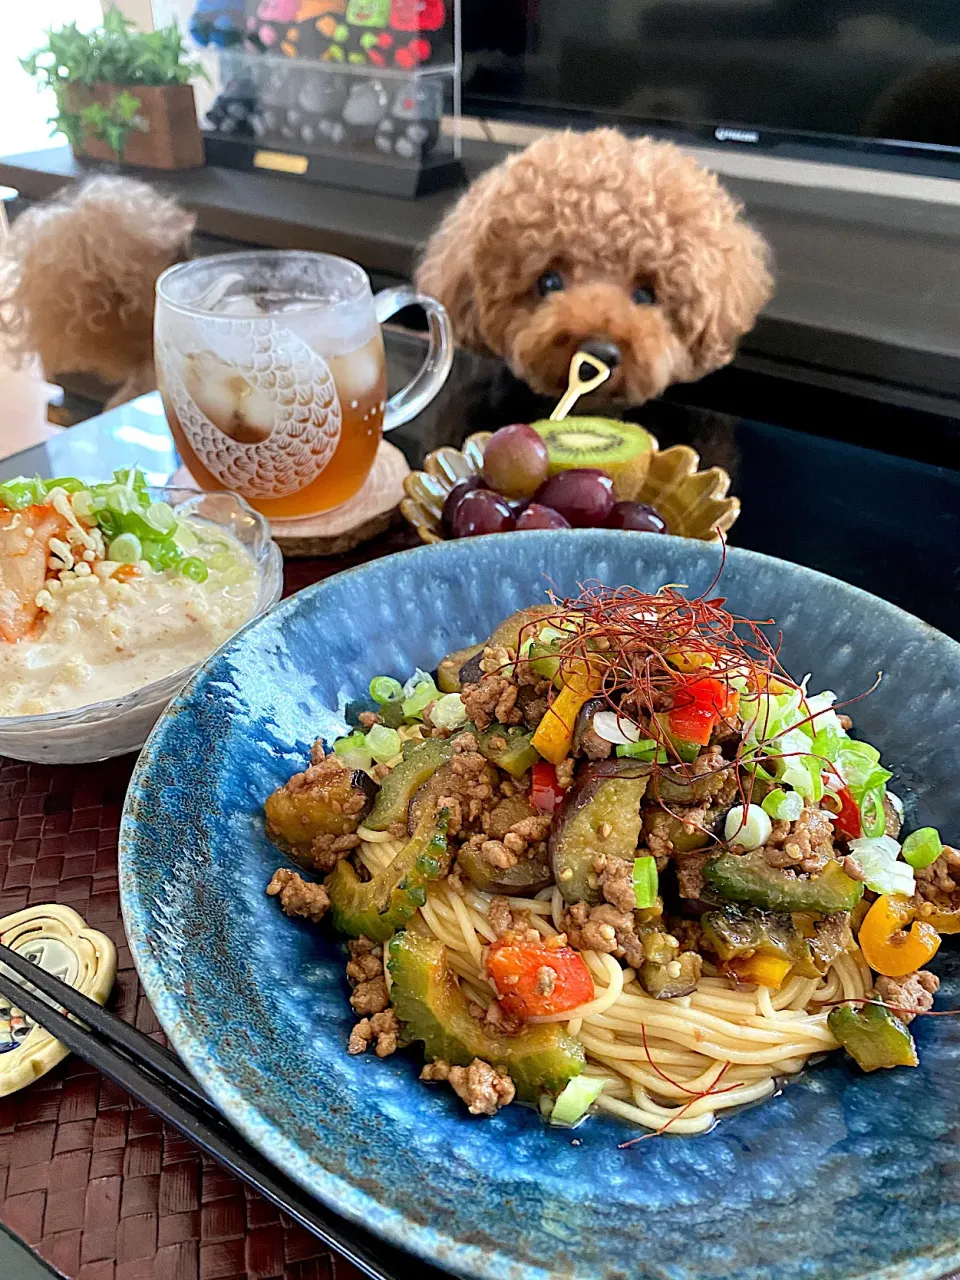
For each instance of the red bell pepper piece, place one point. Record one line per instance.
(698, 705)
(846, 820)
(545, 791)
(533, 980)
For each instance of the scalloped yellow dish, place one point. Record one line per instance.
(694, 503)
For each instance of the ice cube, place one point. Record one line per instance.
(240, 410)
(358, 374)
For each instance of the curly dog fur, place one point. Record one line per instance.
(610, 214)
(77, 280)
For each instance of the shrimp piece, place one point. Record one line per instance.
(24, 545)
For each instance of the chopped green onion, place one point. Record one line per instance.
(161, 555)
(419, 677)
(882, 869)
(125, 549)
(383, 743)
(194, 568)
(922, 847)
(20, 493)
(686, 751)
(872, 816)
(645, 882)
(578, 1095)
(748, 828)
(81, 505)
(645, 749)
(449, 713)
(423, 694)
(160, 516)
(354, 751)
(783, 806)
(384, 689)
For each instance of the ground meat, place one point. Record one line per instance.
(326, 850)
(565, 772)
(690, 881)
(371, 996)
(298, 897)
(317, 752)
(546, 980)
(366, 960)
(938, 886)
(506, 815)
(469, 791)
(498, 855)
(593, 746)
(616, 881)
(483, 1088)
(909, 995)
(852, 868)
(845, 722)
(493, 699)
(604, 929)
(715, 779)
(804, 845)
(500, 916)
(532, 702)
(465, 742)
(368, 719)
(383, 1028)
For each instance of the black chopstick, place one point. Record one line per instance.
(121, 1053)
(114, 1030)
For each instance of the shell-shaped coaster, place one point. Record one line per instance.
(57, 939)
(693, 503)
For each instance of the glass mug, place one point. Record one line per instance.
(272, 372)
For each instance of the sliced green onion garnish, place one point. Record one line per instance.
(424, 693)
(784, 806)
(449, 713)
(160, 516)
(194, 568)
(645, 882)
(384, 689)
(748, 828)
(644, 749)
(354, 751)
(81, 505)
(872, 817)
(577, 1097)
(383, 743)
(922, 847)
(126, 549)
(20, 493)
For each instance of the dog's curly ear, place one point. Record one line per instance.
(447, 270)
(729, 282)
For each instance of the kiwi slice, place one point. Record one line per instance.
(621, 449)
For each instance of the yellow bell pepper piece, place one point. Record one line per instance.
(943, 921)
(687, 660)
(554, 735)
(764, 970)
(887, 947)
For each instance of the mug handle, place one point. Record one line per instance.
(435, 370)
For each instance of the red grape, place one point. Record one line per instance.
(636, 515)
(584, 496)
(538, 517)
(515, 461)
(459, 490)
(481, 511)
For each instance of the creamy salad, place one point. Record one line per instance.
(103, 591)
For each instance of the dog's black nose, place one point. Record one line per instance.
(602, 349)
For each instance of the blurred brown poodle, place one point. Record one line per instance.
(622, 247)
(77, 277)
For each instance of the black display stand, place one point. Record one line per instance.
(378, 174)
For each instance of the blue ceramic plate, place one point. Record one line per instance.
(843, 1175)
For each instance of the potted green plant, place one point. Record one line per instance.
(122, 94)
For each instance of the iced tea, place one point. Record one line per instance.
(271, 367)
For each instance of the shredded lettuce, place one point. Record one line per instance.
(577, 1097)
(449, 713)
(884, 872)
(784, 806)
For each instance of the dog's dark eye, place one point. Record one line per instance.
(644, 295)
(549, 282)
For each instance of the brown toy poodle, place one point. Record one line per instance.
(594, 241)
(77, 279)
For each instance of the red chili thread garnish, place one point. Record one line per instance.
(695, 1095)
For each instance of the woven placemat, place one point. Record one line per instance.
(89, 1179)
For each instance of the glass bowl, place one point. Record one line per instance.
(100, 730)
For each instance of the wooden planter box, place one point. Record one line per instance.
(169, 138)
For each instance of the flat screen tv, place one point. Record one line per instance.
(875, 79)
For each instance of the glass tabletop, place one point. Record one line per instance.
(887, 524)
